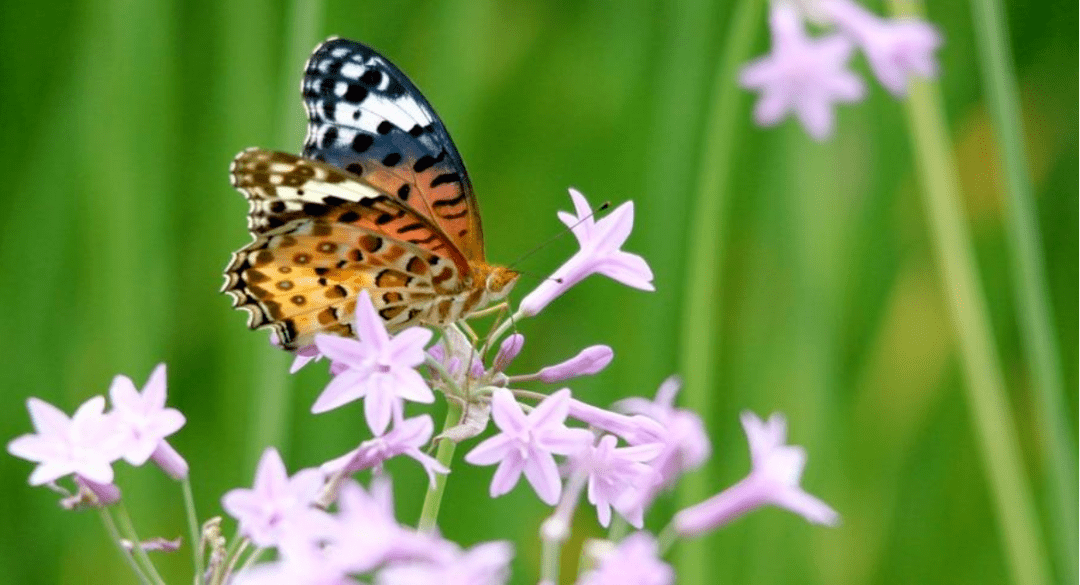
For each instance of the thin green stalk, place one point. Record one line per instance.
(429, 514)
(136, 545)
(994, 430)
(700, 319)
(193, 527)
(1029, 275)
(110, 527)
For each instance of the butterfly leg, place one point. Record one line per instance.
(493, 309)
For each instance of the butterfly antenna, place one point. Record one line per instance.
(561, 233)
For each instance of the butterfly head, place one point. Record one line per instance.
(498, 281)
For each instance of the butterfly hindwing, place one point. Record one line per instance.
(365, 116)
(303, 278)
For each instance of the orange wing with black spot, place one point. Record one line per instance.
(322, 236)
(365, 116)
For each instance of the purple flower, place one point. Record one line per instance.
(276, 506)
(405, 438)
(527, 442)
(637, 430)
(774, 479)
(304, 356)
(171, 462)
(142, 417)
(634, 562)
(484, 564)
(365, 533)
(92, 494)
(456, 353)
(589, 361)
(896, 49)
(85, 444)
(802, 75)
(600, 242)
(307, 566)
(615, 475)
(686, 445)
(508, 350)
(379, 368)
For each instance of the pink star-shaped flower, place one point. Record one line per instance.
(85, 444)
(600, 242)
(484, 564)
(143, 417)
(774, 479)
(635, 561)
(527, 442)
(277, 506)
(366, 535)
(405, 438)
(802, 75)
(378, 367)
(616, 475)
(686, 445)
(896, 49)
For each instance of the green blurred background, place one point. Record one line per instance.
(120, 118)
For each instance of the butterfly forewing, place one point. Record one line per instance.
(365, 116)
(281, 187)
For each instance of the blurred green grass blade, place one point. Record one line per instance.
(701, 304)
(995, 431)
(1029, 276)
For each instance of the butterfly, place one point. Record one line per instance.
(379, 201)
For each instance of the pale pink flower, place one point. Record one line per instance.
(142, 417)
(170, 461)
(636, 561)
(686, 444)
(527, 442)
(406, 438)
(589, 361)
(277, 506)
(484, 564)
(636, 430)
(379, 368)
(803, 75)
(366, 535)
(508, 350)
(86, 444)
(91, 493)
(773, 480)
(304, 356)
(297, 566)
(599, 254)
(616, 475)
(897, 49)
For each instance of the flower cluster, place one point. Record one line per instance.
(328, 529)
(86, 445)
(806, 75)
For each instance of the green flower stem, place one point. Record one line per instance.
(666, 539)
(557, 528)
(1029, 275)
(195, 530)
(995, 433)
(114, 533)
(700, 318)
(429, 514)
(128, 529)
